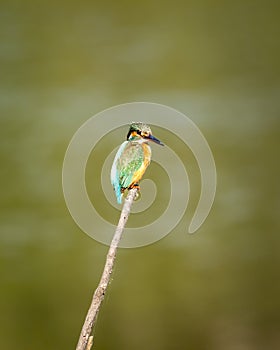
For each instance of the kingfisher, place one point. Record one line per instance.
(132, 159)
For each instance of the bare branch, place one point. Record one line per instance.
(86, 340)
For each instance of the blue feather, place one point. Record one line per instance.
(115, 176)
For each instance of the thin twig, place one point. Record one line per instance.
(86, 340)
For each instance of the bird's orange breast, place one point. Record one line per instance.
(147, 159)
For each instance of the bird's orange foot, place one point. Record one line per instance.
(138, 194)
(124, 191)
(135, 186)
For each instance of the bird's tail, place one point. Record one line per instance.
(118, 193)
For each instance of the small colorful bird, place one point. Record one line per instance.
(132, 159)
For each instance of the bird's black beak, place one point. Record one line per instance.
(154, 139)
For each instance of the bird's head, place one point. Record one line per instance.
(142, 132)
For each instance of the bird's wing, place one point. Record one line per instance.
(115, 176)
(130, 161)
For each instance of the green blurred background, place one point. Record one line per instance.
(217, 62)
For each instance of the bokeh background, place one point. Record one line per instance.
(217, 62)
